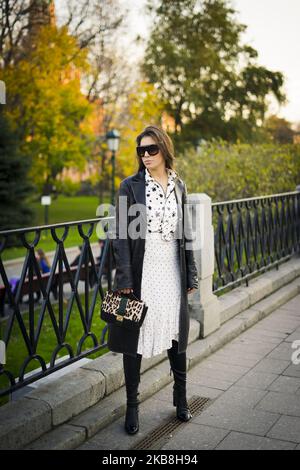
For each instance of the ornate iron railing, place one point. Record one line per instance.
(252, 235)
(22, 323)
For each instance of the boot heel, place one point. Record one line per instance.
(132, 420)
(174, 398)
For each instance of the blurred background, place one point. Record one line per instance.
(220, 76)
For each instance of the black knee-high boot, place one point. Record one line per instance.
(132, 367)
(178, 367)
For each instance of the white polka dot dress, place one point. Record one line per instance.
(160, 285)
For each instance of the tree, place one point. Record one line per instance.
(210, 81)
(45, 104)
(14, 186)
(227, 171)
(144, 107)
(89, 67)
(279, 129)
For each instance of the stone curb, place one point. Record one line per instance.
(97, 417)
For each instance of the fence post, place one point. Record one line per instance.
(204, 306)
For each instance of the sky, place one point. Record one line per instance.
(273, 29)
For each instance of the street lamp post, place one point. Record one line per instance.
(46, 202)
(112, 138)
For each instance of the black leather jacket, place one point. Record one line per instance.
(129, 252)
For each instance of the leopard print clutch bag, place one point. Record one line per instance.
(123, 310)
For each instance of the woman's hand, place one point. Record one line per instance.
(125, 291)
(191, 290)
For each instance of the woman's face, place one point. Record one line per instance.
(152, 162)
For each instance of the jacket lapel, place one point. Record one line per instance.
(138, 189)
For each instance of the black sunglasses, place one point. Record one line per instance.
(151, 149)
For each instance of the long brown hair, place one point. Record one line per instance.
(163, 141)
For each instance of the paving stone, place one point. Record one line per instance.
(292, 314)
(114, 436)
(277, 402)
(276, 366)
(282, 351)
(284, 313)
(237, 418)
(292, 305)
(249, 360)
(166, 394)
(288, 320)
(258, 329)
(260, 380)
(256, 338)
(212, 363)
(240, 396)
(285, 384)
(210, 382)
(243, 441)
(196, 437)
(217, 371)
(287, 428)
(292, 371)
(245, 349)
(281, 315)
(280, 324)
(294, 336)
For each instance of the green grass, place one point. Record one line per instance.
(62, 209)
(17, 351)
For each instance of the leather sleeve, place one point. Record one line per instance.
(191, 268)
(121, 246)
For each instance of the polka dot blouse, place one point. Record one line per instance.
(161, 208)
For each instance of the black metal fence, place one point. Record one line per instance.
(252, 235)
(36, 305)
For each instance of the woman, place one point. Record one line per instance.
(43, 262)
(155, 266)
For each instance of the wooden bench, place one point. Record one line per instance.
(35, 285)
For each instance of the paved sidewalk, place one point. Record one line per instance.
(255, 388)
